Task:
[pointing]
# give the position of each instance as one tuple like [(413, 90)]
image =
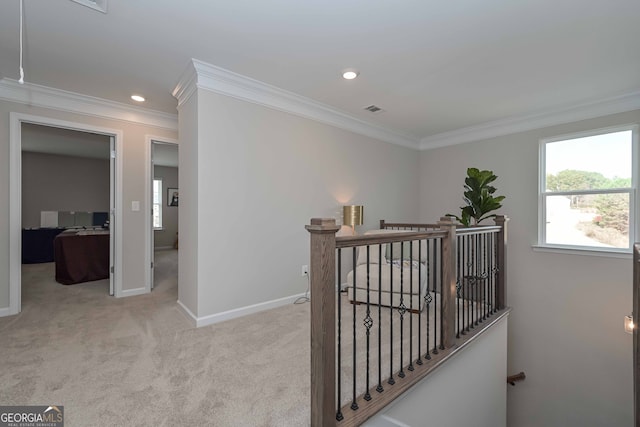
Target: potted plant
[(480, 200), (479, 197)]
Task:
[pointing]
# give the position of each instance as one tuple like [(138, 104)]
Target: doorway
[(113, 213), (162, 225)]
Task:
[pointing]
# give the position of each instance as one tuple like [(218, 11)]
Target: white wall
[(566, 328), (62, 183), (134, 166), (189, 201), (262, 174), (468, 391)]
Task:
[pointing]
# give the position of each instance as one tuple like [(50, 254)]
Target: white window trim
[(160, 203), (541, 245)]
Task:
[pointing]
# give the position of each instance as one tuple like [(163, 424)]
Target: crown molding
[(584, 111), (186, 86), (57, 99), (219, 80)]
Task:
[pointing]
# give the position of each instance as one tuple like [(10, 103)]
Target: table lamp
[(352, 215)]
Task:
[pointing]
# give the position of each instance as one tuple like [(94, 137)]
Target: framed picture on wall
[(172, 197)]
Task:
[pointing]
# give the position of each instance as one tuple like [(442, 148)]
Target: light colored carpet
[(137, 361)]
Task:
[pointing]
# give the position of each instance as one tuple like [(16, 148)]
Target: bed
[(396, 280), (81, 256)]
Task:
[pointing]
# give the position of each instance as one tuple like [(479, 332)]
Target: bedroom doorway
[(163, 195), (36, 217)]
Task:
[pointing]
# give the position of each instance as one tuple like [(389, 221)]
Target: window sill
[(618, 253), (159, 229)]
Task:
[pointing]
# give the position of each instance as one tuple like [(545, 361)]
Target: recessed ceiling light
[(137, 98), (350, 74)]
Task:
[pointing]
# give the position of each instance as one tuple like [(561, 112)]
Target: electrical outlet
[(305, 270)]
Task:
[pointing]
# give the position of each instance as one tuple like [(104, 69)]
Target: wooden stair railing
[(513, 379), (323, 312)]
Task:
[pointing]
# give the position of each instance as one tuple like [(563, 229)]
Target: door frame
[(15, 199), (149, 238)]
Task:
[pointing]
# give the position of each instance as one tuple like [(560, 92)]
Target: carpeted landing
[(137, 361)]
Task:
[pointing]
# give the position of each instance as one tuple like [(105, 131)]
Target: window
[(588, 190), (157, 204)]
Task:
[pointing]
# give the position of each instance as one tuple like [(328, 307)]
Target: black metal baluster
[(410, 305), (368, 323), (463, 240), (481, 279), (489, 269), (428, 298), (402, 310), (476, 281), (441, 299), (469, 285), (419, 361), (485, 281), (339, 415), (435, 290), (470, 281), (474, 272), (458, 286), (391, 380), (379, 389), (490, 274), (496, 268), (354, 404)]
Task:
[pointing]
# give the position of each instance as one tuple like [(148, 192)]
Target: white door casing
[(15, 200), (149, 256)]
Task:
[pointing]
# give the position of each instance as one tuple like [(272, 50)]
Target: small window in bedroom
[(157, 204), (587, 197)]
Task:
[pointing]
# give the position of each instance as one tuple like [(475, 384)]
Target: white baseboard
[(188, 313), (7, 311), (133, 292), (236, 312)]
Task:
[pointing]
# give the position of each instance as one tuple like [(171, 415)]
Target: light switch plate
[(135, 205)]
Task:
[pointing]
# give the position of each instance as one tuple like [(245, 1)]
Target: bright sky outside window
[(587, 197), (157, 204)]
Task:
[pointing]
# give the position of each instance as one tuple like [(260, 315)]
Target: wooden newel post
[(448, 281), (322, 277), (501, 254)]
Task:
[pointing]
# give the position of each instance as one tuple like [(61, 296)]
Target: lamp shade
[(352, 215)]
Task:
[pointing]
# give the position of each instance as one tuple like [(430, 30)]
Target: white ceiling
[(433, 66)]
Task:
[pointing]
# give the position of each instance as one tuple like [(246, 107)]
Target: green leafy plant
[(479, 197)]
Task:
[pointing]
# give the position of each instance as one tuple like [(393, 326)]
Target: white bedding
[(407, 286)]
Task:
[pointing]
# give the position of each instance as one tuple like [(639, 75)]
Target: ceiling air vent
[(373, 109), (99, 5)]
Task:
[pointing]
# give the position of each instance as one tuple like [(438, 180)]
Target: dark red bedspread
[(81, 258)]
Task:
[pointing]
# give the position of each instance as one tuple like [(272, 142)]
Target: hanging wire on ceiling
[(21, 81)]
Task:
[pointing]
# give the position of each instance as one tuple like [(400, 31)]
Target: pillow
[(404, 248), (386, 249), (374, 253)]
